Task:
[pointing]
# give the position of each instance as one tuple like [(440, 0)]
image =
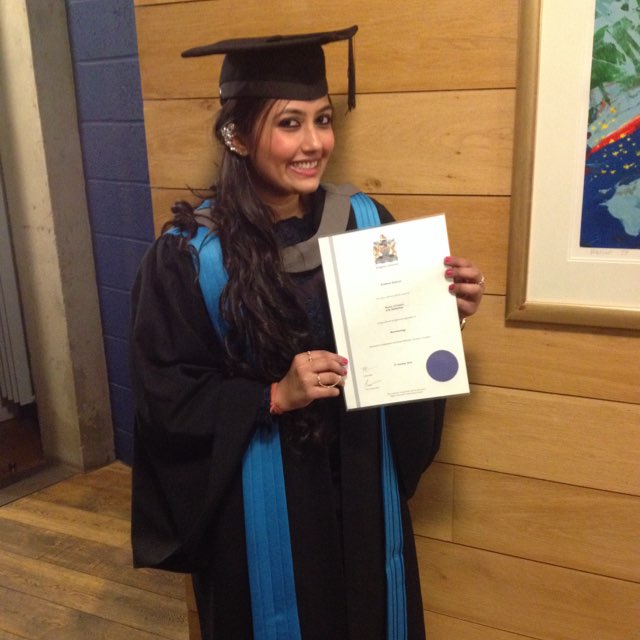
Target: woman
[(248, 471)]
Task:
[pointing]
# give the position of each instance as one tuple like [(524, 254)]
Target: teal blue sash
[(268, 541), (367, 216), (274, 606)]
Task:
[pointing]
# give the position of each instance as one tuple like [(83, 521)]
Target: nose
[(311, 140)]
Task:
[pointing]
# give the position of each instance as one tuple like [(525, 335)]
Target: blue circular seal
[(442, 365)]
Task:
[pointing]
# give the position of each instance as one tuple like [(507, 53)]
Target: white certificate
[(393, 315)]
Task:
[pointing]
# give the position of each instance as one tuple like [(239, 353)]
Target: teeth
[(306, 165)]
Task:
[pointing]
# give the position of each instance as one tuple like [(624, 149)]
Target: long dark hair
[(266, 324)]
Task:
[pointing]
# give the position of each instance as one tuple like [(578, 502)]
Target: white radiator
[(15, 377)]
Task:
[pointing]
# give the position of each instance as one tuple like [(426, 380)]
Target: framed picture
[(574, 254)]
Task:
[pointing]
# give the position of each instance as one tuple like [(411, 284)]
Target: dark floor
[(66, 569), (20, 447)]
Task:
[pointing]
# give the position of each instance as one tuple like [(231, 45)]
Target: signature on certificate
[(370, 379)]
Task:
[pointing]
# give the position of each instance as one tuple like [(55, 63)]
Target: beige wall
[(44, 183), (527, 524)]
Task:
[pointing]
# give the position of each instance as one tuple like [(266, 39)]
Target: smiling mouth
[(306, 165)]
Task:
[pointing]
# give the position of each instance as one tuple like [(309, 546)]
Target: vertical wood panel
[(444, 150), (418, 45), (521, 516), (444, 142), (477, 226), (549, 522), (441, 627), (548, 403), (488, 217), (432, 505), (192, 609), (529, 598), (577, 441), (566, 360)]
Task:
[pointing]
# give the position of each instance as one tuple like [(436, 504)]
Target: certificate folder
[(393, 315)]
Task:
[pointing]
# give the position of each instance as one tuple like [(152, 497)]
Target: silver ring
[(481, 282), (309, 355), (328, 386)]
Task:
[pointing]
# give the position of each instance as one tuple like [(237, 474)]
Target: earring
[(228, 133)]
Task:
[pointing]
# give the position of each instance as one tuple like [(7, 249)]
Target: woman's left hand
[(467, 285)]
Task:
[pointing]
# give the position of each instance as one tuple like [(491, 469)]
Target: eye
[(325, 120), (288, 123)]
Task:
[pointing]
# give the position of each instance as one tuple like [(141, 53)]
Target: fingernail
[(452, 287), (447, 260), (344, 361), (448, 273)]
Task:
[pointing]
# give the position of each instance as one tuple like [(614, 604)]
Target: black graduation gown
[(192, 428)]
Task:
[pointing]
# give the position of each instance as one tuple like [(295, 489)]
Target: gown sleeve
[(415, 428), (192, 424)]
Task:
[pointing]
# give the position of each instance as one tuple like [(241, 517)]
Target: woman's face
[(292, 147)]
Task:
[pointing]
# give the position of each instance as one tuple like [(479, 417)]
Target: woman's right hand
[(312, 375)]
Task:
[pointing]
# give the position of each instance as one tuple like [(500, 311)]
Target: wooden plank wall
[(527, 525)]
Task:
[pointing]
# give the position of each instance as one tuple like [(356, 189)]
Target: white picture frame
[(551, 279)]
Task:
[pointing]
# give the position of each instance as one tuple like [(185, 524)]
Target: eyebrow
[(291, 111)]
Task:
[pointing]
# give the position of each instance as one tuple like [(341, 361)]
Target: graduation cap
[(283, 67)]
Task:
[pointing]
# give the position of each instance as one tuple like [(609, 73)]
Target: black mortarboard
[(283, 67)]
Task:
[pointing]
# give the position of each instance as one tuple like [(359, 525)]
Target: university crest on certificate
[(393, 315)]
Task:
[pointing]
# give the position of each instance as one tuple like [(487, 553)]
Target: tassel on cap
[(351, 74)]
